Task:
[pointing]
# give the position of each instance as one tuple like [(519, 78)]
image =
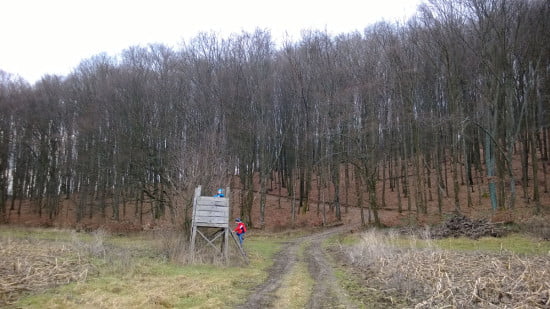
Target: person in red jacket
[(240, 230)]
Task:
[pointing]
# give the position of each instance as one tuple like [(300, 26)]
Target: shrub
[(538, 227)]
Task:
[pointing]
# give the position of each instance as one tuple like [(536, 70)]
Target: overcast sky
[(41, 37)]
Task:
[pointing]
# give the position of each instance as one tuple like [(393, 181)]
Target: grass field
[(48, 268), (121, 271)]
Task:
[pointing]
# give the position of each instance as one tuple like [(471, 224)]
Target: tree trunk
[(397, 186), (535, 167), (359, 192), (263, 180), (490, 166), (468, 171), (456, 184)]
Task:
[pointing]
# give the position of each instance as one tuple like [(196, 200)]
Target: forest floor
[(282, 211)]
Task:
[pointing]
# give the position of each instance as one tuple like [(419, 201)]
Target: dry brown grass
[(538, 226), (170, 244), (32, 265), (32, 261), (435, 278)]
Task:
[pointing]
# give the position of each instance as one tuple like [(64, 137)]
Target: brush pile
[(461, 226)]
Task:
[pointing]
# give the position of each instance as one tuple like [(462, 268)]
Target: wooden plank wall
[(211, 212)]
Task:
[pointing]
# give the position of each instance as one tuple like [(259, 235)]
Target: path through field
[(326, 291)]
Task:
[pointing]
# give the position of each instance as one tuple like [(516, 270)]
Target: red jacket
[(241, 228)]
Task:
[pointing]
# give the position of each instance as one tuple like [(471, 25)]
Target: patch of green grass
[(351, 285), (516, 243), (368, 297), (36, 233), (297, 286), (349, 239), (343, 239), (263, 246), (154, 285)]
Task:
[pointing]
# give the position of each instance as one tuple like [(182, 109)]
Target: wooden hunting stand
[(212, 212)]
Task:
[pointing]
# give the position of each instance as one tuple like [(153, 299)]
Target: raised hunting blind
[(212, 214)]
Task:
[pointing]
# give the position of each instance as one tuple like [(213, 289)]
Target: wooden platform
[(213, 212)]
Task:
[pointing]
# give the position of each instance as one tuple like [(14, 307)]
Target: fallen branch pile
[(461, 226), (33, 265)]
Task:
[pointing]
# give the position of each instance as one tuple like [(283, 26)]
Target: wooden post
[(193, 226), (238, 244), (228, 229)]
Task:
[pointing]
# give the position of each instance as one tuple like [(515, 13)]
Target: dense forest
[(452, 96)]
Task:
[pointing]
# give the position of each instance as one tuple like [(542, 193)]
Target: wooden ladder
[(236, 239)]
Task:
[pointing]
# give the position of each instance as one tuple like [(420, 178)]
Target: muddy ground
[(327, 292)]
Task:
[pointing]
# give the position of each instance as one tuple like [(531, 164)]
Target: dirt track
[(326, 291)]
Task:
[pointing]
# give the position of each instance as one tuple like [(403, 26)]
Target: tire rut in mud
[(326, 291)]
